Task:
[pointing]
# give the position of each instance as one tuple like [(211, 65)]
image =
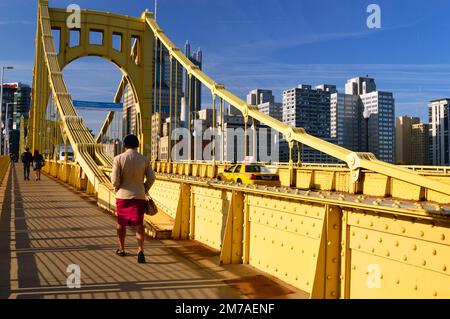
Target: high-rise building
[(22, 100), (420, 144), (363, 119), (308, 108), (16, 96), (360, 85), (161, 97), (259, 96), (265, 101), (379, 108), (439, 119), (346, 121), (193, 92), (129, 112), (411, 141)]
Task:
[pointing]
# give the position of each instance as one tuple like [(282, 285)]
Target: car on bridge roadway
[(252, 174)]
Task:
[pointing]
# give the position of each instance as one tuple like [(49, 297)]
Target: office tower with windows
[(16, 97), (265, 101), (379, 108), (411, 141), (193, 92), (346, 121), (439, 121), (360, 85), (308, 108)]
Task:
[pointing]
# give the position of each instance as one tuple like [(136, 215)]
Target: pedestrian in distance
[(132, 177), (38, 163), (27, 160)]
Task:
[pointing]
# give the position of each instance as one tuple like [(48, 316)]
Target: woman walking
[(129, 171), (38, 163)]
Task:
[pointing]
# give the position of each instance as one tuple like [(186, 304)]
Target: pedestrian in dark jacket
[(27, 159)]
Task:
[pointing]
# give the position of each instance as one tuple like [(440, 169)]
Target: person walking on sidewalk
[(26, 159), (129, 171), (38, 163)]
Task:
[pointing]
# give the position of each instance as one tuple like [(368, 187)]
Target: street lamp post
[(1, 96)]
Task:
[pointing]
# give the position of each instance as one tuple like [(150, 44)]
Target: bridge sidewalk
[(46, 226)]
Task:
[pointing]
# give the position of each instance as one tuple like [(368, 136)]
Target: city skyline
[(301, 43)]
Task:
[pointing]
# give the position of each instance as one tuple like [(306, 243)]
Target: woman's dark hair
[(131, 141), (36, 152)]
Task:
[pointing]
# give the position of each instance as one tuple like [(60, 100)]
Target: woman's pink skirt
[(130, 212)]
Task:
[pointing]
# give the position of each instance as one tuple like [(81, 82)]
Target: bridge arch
[(125, 41)]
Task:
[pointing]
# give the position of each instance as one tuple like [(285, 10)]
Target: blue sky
[(273, 44)]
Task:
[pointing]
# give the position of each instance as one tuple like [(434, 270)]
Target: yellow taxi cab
[(252, 174)]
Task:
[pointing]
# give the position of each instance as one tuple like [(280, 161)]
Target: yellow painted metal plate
[(377, 277)]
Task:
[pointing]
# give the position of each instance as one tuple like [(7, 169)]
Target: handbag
[(150, 207)]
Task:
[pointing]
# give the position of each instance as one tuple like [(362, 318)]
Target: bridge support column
[(232, 248), (181, 228), (327, 278)]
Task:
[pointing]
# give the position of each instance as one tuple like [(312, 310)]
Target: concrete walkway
[(46, 226)]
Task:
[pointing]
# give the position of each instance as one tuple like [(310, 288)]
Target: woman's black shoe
[(141, 258), (120, 253)]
